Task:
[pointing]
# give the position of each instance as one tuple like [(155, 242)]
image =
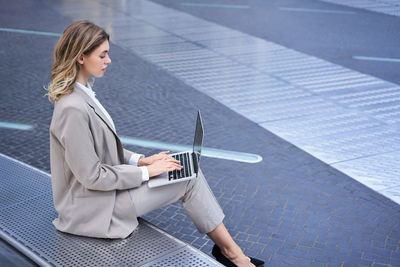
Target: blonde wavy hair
[(81, 37)]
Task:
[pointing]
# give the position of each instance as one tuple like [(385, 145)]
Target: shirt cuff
[(145, 174), (134, 159)]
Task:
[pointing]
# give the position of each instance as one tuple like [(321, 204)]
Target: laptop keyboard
[(185, 162)]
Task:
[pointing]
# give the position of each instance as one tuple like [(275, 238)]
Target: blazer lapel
[(103, 117), (99, 113), (96, 109)]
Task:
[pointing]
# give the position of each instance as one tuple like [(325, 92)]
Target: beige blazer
[(89, 171)]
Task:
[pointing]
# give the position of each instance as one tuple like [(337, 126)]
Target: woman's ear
[(80, 59)]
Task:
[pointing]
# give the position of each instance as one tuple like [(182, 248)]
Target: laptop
[(190, 160)]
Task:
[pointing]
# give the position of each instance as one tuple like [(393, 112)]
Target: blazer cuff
[(145, 174), (134, 159)]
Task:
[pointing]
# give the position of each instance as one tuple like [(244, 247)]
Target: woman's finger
[(178, 166), (171, 168), (175, 165), (172, 160)]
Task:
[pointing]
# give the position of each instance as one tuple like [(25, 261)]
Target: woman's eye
[(102, 57)]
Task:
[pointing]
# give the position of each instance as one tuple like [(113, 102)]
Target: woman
[(99, 188)]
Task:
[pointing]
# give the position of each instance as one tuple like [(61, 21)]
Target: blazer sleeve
[(81, 157), (127, 155)]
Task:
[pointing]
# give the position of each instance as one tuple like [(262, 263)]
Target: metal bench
[(26, 213)]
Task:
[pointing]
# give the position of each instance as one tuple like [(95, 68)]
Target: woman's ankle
[(237, 257), (232, 253)]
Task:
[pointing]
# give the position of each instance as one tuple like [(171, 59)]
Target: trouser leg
[(198, 201)]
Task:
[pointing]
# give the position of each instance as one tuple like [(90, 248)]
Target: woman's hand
[(164, 165), (150, 160)]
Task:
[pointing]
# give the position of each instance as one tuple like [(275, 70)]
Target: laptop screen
[(198, 138)]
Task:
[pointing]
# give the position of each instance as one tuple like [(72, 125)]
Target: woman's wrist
[(142, 162)]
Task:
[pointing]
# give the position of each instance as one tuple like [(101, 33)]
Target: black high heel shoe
[(216, 252)]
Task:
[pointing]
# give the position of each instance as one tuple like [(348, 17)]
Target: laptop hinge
[(195, 163)]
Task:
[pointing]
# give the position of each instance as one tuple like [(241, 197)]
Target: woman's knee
[(200, 179)]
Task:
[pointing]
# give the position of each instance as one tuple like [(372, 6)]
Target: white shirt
[(135, 157)]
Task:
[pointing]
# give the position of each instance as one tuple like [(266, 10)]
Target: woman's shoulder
[(68, 110), (71, 101), (72, 106)]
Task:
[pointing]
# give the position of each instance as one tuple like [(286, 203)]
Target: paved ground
[(291, 209), (314, 28), (387, 7), (345, 118)]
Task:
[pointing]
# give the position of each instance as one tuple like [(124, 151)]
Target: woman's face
[(96, 62)]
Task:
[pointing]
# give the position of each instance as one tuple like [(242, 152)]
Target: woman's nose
[(108, 59)]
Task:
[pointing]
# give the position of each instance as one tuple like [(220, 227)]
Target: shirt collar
[(87, 89)]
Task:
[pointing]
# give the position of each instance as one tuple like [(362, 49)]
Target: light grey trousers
[(198, 201)]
